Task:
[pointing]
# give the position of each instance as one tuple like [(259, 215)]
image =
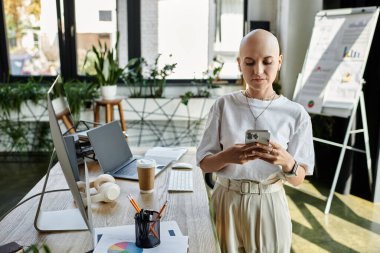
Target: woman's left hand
[(273, 153)]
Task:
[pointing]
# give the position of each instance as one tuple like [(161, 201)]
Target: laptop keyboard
[(129, 169)]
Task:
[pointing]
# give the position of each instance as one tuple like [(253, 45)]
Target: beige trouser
[(251, 217)]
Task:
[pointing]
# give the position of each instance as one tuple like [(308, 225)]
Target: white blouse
[(230, 117)]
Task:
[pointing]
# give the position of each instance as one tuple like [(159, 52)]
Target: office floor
[(353, 224), (18, 174)]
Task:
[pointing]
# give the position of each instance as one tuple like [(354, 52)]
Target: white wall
[(295, 28), (292, 22), (149, 30), (87, 16), (122, 27), (264, 10)]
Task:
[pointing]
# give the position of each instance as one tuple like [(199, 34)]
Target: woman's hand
[(273, 153), (238, 154)]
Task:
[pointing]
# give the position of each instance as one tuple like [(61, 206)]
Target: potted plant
[(211, 76), (157, 77), (79, 95), (134, 78), (102, 63), (210, 83), (16, 101), (147, 81)]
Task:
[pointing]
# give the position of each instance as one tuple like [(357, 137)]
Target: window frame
[(67, 43)]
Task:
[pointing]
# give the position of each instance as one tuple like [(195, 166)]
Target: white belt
[(244, 186)]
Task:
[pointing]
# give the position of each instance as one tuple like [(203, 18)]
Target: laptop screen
[(110, 146)]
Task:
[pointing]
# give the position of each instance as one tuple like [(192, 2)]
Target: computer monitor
[(68, 219), (64, 117), (61, 108)]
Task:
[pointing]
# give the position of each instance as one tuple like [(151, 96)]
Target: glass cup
[(146, 170)]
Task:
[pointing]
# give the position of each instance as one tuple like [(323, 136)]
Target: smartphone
[(260, 136)]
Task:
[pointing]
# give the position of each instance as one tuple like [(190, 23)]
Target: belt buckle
[(243, 188)]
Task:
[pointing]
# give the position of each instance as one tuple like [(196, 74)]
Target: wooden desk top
[(189, 210)]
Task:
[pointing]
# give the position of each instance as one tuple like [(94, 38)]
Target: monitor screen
[(66, 158), (61, 107)]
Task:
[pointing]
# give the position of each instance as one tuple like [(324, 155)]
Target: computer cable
[(29, 198)]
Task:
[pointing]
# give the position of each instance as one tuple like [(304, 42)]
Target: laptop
[(114, 155)]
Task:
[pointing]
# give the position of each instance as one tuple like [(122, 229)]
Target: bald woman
[(249, 201)]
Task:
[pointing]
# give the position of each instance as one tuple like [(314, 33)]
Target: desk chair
[(210, 179), (108, 105), (65, 116), (82, 145)]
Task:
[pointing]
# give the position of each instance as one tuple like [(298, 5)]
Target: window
[(95, 21), (229, 32), (193, 33), (32, 34), (190, 33)]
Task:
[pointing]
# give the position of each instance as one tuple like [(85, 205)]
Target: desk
[(190, 210)]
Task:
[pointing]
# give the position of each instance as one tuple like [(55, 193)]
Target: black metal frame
[(4, 63), (134, 28), (68, 60)]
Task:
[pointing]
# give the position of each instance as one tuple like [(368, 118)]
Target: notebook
[(113, 152)]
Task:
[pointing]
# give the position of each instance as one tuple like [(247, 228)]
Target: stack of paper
[(122, 239), (165, 153)]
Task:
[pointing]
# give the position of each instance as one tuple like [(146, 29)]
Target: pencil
[(138, 209), (134, 204), (162, 209), (159, 216)]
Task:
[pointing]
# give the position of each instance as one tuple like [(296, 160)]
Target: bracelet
[(293, 172)]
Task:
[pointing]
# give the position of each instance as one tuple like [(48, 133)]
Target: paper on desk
[(167, 229), (124, 243), (107, 239), (166, 153)]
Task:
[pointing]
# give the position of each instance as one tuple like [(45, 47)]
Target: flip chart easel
[(332, 75), (344, 147)]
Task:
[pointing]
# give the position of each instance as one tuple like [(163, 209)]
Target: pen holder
[(147, 229)]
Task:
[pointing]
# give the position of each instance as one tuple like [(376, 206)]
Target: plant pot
[(108, 92), (60, 105)]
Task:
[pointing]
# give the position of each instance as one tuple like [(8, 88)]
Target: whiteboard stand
[(344, 147), (336, 49)]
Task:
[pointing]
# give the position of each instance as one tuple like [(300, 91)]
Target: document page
[(165, 153), (122, 239)]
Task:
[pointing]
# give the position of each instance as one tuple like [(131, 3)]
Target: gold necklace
[(245, 92), (250, 109)]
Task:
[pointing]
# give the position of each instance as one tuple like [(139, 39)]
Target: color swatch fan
[(124, 247)]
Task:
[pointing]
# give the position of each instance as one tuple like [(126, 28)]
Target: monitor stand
[(61, 220)]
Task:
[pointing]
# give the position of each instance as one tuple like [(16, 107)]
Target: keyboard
[(129, 169), (180, 181)]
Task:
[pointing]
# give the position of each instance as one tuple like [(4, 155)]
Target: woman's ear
[(238, 62), (279, 62)]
